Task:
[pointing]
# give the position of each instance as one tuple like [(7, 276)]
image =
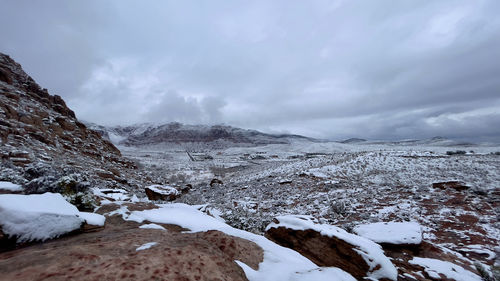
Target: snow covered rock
[(41, 216), (279, 263), (394, 233), (8, 187), (37, 217), (215, 181), (327, 245), (112, 255), (161, 192), (457, 185), (38, 129)]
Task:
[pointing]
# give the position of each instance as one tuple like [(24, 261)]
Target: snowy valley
[(190, 202)]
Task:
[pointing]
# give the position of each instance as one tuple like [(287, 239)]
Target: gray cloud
[(328, 69)]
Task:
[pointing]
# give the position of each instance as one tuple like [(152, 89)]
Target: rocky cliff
[(41, 140)]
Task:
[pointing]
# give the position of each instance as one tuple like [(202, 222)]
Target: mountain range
[(177, 133)]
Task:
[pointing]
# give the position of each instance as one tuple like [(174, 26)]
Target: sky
[(326, 69)]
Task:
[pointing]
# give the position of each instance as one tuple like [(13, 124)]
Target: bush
[(338, 208), (83, 201), (456, 152), (244, 220)]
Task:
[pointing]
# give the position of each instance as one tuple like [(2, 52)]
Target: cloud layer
[(330, 69)]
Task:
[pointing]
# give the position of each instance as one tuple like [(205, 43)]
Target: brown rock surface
[(111, 254), (322, 250), (457, 185), (401, 255), (164, 196)]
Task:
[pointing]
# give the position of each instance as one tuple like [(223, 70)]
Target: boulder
[(105, 174), (327, 245), (185, 189), (161, 192), (406, 260), (457, 185), (215, 181)]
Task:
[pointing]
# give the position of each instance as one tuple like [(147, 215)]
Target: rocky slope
[(41, 140)]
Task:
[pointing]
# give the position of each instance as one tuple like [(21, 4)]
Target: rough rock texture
[(457, 185), (402, 254), (111, 254), (322, 250), (41, 138)]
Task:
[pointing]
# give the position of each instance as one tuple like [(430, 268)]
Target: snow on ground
[(371, 252), (41, 216), (5, 185), (435, 267), (38, 216), (152, 226), (391, 232), (117, 196), (279, 263), (146, 246), (320, 273), (479, 249), (92, 218), (343, 185)]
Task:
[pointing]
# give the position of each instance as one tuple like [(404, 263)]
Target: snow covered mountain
[(177, 133), (435, 141)]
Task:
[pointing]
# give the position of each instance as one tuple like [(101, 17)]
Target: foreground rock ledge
[(111, 254)]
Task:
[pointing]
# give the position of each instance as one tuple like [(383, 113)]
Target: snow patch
[(391, 232), (5, 185), (37, 216), (146, 246), (435, 267), (152, 226), (92, 218)]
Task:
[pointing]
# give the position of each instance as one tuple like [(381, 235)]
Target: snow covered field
[(346, 185)]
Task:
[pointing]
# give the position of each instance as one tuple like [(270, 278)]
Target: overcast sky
[(328, 69)]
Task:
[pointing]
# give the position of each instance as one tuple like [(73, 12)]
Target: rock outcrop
[(326, 245), (42, 140), (457, 185), (112, 254), (161, 192)]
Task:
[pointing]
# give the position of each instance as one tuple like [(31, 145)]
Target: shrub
[(84, 201), (456, 152)]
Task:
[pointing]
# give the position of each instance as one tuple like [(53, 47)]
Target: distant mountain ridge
[(178, 133), (434, 141)]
